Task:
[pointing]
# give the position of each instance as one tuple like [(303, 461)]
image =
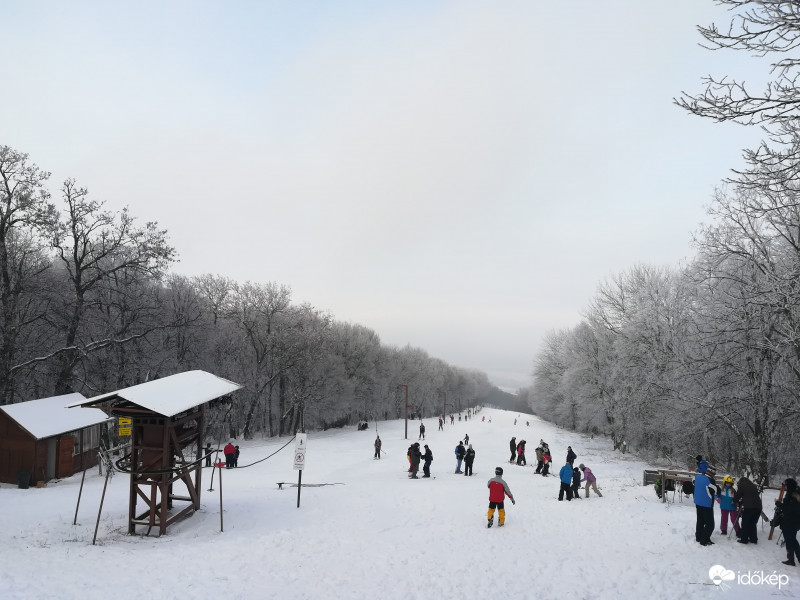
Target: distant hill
[(497, 398)]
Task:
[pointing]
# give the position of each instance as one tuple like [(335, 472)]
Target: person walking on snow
[(378, 447), (428, 458), (565, 474), (469, 458), (727, 507), (498, 490), (461, 452), (512, 445), (571, 456), (466, 439), (590, 480), (421, 431), (415, 456)]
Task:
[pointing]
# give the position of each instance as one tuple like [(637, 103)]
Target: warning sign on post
[(300, 451)]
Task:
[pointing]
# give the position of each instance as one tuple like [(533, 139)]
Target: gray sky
[(458, 176)]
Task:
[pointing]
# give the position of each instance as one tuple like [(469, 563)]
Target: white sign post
[(301, 441)]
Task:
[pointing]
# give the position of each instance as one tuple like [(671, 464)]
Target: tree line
[(704, 358), (89, 305)]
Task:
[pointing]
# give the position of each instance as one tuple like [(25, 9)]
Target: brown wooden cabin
[(42, 440)]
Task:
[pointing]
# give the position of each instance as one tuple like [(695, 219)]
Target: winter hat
[(702, 467), (581, 466), (791, 485), (470, 446), (426, 445)]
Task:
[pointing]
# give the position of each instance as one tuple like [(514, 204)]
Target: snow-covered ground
[(381, 535)]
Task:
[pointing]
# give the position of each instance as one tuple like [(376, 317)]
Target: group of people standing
[(743, 500), (415, 455)]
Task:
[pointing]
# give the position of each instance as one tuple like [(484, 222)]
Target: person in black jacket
[(428, 458), (512, 445), (747, 496), (576, 482), (790, 520), (469, 458), (415, 456), (571, 456), (461, 452)]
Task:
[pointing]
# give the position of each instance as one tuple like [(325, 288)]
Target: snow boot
[(789, 563)]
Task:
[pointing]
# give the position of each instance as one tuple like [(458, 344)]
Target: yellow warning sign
[(124, 431), (124, 421)]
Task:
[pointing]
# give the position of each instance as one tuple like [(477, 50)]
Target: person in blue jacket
[(565, 474), (704, 492)]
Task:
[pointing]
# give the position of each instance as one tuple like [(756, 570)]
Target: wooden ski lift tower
[(167, 425)]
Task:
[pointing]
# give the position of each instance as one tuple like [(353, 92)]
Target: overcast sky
[(457, 176)]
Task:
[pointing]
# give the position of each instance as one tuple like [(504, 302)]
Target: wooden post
[(80, 491), (100, 510)]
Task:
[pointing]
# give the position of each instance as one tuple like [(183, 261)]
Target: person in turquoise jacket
[(565, 474), (704, 492), (727, 507)]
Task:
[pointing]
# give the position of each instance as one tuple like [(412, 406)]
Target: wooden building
[(167, 425), (43, 439)]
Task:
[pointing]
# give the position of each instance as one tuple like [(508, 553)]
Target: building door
[(66, 447), (52, 445)]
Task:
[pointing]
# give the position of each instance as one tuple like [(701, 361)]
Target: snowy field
[(382, 536)]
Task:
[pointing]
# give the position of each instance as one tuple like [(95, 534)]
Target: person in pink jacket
[(590, 480)]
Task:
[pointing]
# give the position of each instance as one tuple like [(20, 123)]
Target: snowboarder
[(428, 458), (521, 453), (512, 445), (704, 493), (460, 453), (498, 490), (790, 520), (469, 458), (421, 431), (747, 496), (565, 474), (576, 483), (727, 507), (378, 444), (590, 479), (539, 453), (571, 456), (229, 451), (415, 456)]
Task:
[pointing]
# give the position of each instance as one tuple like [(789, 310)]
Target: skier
[(790, 520), (408, 455), (460, 453), (452, 419), (469, 458), (521, 453), (576, 483), (378, 444), (590, 479), (441, 424), (415, 456), (546, 460), (229, 451), (466, 439), (428, 458), (747, 496), (571, 456), (421, 431), (498, 490), (704, 493), (727, 507), (565, 474), (512, 445), (539, 453)]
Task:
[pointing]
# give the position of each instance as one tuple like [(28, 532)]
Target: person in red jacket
[(498, 490), (230, 453)]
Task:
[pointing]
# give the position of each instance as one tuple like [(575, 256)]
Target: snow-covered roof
[(47, 417), (171, 395)]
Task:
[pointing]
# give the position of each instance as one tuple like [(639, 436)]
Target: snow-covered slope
[(381, 535)]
